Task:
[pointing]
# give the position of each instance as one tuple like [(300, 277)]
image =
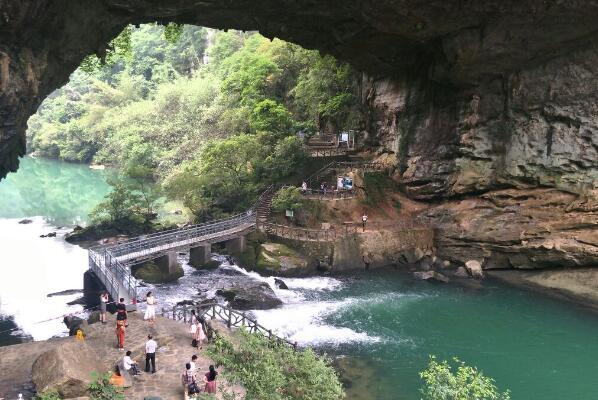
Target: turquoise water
[(62, 193), (386, 325)]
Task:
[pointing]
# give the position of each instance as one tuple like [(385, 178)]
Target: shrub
[(48, 395), (101, 389), (289, 198), (274, 371), (466, 383)]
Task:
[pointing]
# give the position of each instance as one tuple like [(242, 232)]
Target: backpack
[(194, 343)]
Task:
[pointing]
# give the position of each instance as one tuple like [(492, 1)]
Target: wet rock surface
[(249, 295)]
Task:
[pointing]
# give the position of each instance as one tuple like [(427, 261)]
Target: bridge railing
[(232, 318), (112, 273), (165, 239)]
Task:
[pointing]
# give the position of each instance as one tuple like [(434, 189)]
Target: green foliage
[(288, 198), (274, 371), (48, 395), (132, 202), (118, 49), (214, 135), (173, 32), (270, 116), (101, 389), (442, 382), (376, 187)]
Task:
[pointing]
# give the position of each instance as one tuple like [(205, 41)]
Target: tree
[(148, 194), (466, 383), (289, 198), (270, 116), (119, 206)]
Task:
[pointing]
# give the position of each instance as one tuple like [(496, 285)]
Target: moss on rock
[(150, 272), (279, 259)]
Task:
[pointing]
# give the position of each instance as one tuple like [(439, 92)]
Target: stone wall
[(382, 248)]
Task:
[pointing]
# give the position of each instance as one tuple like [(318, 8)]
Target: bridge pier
[(167, 263), (200, 256), (236, 245)]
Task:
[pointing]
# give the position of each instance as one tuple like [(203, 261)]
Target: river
[(380, 325)]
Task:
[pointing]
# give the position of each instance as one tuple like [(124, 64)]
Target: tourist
[(364, 219), (210, 380), (117, 379), (150, 309), (120, 334), (150, 354), (121, 311), (189, 382), (304, 187), (103, 303), (130, 365), (194, 364), (193, 325)]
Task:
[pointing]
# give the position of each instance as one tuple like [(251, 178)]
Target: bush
[(49, 395), (289, 198), (466, 383), (274, 371), (101, 389)]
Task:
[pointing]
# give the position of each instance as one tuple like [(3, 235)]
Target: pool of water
[(62, 193)]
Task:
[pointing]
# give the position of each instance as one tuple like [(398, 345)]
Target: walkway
[(174, 351)]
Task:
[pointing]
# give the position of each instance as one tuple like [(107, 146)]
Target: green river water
[(382, 324)]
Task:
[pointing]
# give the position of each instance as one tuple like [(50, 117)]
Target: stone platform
[(173, 352)]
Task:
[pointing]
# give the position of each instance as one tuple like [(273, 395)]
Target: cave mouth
[(44, 41)]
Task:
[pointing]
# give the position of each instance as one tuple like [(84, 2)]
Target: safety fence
[(232, 318)]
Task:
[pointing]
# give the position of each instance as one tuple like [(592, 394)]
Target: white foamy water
[(303, 320), (30, 268)]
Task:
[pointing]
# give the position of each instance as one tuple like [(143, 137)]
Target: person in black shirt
[(121, 311)]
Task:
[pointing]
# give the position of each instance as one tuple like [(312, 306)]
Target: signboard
[(289, 213)]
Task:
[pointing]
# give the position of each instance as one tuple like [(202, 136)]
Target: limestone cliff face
[(510, 166)]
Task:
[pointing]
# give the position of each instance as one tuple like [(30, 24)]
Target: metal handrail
[(231, 317)]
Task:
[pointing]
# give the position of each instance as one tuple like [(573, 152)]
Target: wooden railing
[(232, 318), (330, 194)]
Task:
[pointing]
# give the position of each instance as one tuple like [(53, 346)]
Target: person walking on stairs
[(150, 354)]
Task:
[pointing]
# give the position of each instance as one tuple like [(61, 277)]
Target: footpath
[(173, 352)]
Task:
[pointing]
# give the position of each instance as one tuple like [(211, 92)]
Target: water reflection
[(62, 193)]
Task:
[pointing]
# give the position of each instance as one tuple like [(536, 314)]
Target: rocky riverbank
[(579, 286)]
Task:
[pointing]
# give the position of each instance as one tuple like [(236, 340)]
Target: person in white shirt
[(150, 354), (129, 364), (364, 219), (150, 310), (193, 364)]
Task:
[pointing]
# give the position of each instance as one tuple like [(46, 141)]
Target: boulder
[(278, 259), (25, 221), (67, 369), (461, 273), (74, 323), (249, 295), (93, 317), (431, 276), (474, 268), (280, 284)]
